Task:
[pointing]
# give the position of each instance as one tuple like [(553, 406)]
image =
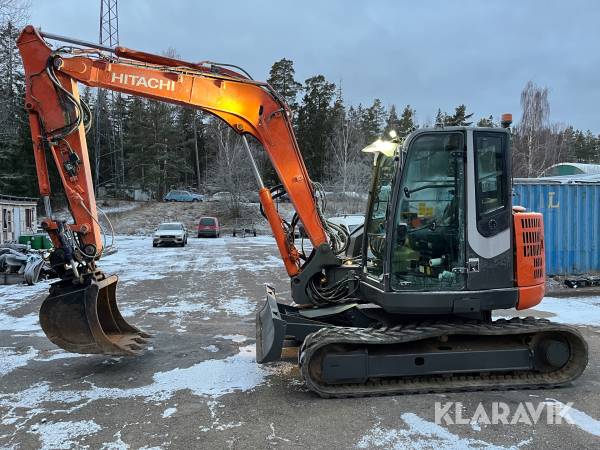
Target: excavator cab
[(439, 224)]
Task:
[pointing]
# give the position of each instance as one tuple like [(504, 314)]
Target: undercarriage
[(367, 357)]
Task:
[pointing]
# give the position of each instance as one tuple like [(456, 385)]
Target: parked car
[(222, 196), (183, 196), (173, 233), (349, 221), (209, 227)]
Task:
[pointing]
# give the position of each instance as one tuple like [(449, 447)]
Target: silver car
[(172, 233)]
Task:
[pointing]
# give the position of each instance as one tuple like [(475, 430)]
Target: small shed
[(19, 216), (570, 205)]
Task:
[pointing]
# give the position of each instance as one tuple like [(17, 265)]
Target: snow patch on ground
[(117, 444), (60, 354), (211, 348), (239, 306), (11, 296), (179, 308), (168, 412), (579, 418), (64, 435), (10, 360), (29, 322), (579, 310), (211, 378), (238, 338), (422, 434)]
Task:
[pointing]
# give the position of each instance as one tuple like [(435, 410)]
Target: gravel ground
[(199, 387)]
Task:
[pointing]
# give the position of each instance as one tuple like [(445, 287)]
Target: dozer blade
[(84, 318), (270, 331)]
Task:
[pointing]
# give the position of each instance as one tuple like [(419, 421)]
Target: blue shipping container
[(571, 223)]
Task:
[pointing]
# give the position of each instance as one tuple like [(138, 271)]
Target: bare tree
[(532, 128), (230, 170), (348, 167)]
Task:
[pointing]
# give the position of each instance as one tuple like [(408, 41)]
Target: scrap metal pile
[(19, 264)]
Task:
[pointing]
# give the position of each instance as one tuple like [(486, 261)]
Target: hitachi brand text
[(138, 80)]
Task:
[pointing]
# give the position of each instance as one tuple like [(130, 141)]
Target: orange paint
[(530, 261)]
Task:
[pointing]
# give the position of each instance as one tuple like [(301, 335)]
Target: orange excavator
[(403, 304)]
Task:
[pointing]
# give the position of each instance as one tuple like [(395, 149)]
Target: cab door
[(427, 252), (489, 210)]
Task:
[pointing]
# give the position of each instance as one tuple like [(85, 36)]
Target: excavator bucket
[(84, 318)]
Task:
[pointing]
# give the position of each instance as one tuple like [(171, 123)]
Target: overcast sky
[(428, 54)]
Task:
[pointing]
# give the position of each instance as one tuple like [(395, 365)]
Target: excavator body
[(441, 248), (402, 304)]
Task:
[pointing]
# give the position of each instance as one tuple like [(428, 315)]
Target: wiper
[(407, 191)]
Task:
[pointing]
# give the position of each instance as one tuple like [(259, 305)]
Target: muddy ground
[(199, 387)]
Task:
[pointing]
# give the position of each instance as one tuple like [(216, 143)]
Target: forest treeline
[(140, 143)]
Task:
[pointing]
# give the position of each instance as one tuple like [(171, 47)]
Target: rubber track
[(485, 381)]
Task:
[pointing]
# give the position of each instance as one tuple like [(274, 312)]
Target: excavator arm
[(81, 313)]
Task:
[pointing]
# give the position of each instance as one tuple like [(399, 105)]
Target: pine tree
[(440, 118), (373, 121), (392, 122), (407, 122), (459, 118), (17, 168), (281, 78), (315, 123), (486, 122)]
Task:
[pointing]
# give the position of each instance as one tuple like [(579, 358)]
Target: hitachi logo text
[(138, 80)]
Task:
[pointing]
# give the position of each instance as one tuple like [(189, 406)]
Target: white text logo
[(138, 80)]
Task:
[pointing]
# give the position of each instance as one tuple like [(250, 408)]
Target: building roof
[(12, 199), (561, 169), (561, 179)]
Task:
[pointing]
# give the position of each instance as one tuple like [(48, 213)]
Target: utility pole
[(108, 36)]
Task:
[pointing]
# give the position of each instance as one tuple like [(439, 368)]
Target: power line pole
[(108, 36)]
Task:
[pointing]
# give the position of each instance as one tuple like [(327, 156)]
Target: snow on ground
[(137, 262), (63, 435), (211, 378), (10, 360), (578, 310), (421, 434), (567, 310)]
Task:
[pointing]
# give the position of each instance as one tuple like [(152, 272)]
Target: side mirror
[(401, 233)]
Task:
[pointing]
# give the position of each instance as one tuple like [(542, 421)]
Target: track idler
[(84, 318)]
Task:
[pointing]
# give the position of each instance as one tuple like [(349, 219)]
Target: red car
[(209, 227)]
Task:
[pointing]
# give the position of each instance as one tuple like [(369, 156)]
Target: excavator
[(401, 305)]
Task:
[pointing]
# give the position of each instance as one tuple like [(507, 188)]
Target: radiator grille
[(529, 246)]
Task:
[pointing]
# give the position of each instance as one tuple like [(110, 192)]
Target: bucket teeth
[(134, 346)]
